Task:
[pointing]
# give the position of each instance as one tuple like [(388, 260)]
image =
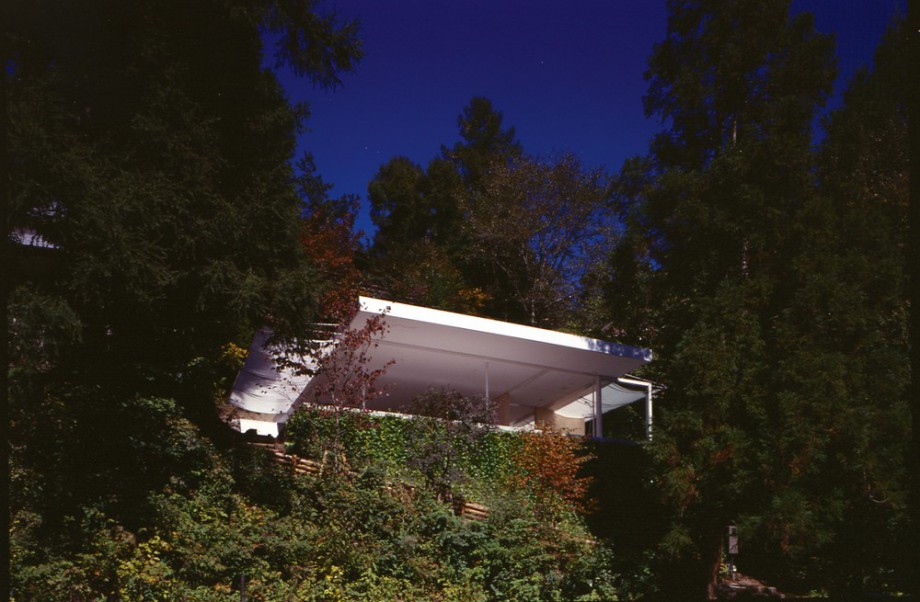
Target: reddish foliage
[(548, 465), (331, 244), (344, 379)]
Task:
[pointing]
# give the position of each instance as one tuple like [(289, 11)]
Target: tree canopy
[(151, 148), (742, 268), (533, 228), (487, 228), (149, 151)]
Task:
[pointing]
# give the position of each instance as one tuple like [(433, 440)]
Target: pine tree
[(775, 300), (152, 149), (850, 308), (484, 142), (715, 218)]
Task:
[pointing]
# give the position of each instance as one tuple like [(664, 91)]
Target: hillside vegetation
[(182, 518)]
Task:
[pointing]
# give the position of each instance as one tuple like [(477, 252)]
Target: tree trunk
[(713, 563)]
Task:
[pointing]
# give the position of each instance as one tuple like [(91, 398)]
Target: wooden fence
[(305, 466)]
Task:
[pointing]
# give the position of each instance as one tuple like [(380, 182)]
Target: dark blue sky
[(567, 75)]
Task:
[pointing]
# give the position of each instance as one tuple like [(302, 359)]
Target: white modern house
[(531, 374)]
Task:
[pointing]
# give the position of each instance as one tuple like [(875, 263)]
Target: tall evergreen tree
[(725, 251), (409, 203), (399, 209), (417, 219), (484, 142), (851, 307), (149, 155), (151, 148), (774, 299)]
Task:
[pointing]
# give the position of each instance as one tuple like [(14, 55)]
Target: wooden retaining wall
[(305, 466)]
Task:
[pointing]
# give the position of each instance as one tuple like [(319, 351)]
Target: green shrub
[(468, 459)]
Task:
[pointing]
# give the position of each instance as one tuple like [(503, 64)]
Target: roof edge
[(441, 317)]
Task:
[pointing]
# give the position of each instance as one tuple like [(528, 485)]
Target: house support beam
[(648, 413), (598, 409)]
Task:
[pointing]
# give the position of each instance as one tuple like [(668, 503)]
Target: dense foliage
[(486, 228), (770, 278), (203, 518), (149, 152), (185, 520), (152, 149), (451, 448)]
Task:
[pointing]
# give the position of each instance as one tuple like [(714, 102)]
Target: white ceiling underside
[(613, 396), (476, 356)]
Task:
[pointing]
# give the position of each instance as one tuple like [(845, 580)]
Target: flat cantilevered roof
[(526, 366)]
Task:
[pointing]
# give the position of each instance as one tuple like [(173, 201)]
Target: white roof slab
[(534, 367), (526, 366), (260, 386)]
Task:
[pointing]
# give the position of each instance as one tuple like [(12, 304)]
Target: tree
[(398, 208), (412, 257), (409, 203), (773, 299), (151, 150), (853, 302), (343, 379), (486, 229), (484, 141), (448, 425), (330, 242), (423, 274), (533, 227), (714, 215), (420, 252), (549, 465)]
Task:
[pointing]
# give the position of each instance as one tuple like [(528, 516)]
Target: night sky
[(567, 75)]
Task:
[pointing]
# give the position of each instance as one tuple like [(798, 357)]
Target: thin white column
[(598, 409), (648, 413)]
